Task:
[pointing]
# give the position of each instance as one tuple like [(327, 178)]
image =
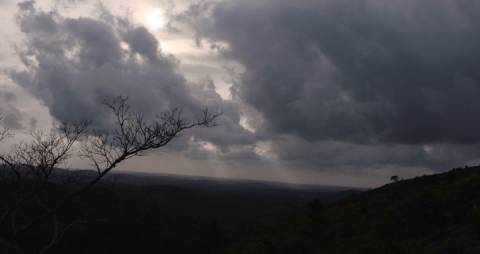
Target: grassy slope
[(431, 214)]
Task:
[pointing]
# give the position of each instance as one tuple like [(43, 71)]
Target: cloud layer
[(356, 84), (73, 64), (348, 86), (364, 71)]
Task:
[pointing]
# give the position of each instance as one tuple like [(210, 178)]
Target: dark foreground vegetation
[(431, 214)]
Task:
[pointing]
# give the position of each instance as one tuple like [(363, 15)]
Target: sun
[(155, 20)]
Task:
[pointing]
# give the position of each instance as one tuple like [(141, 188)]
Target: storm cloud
[(73, 64), (365, 72), (362, 88)]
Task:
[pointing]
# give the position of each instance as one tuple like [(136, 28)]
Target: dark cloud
[(332, 155), (142, 42), (10, 115), (73, 64), (353, 84), (333, 85), (358, 71)]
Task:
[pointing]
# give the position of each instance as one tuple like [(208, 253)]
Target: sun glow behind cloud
[(155, 20)]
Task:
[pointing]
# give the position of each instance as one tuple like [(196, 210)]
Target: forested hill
[(138, 213), (431, 214)]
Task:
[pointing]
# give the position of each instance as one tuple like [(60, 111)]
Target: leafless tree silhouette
[(28, 169)]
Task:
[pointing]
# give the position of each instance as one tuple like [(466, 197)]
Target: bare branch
[(134, 135), (32, 163), (4, 131), (55, 235), (35, 161)]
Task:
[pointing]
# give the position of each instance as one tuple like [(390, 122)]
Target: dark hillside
[(166, 214), (430, 214)]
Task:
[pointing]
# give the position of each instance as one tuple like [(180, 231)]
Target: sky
[(344, 92)]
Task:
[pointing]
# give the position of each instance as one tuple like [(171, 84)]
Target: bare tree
[(27, 171)]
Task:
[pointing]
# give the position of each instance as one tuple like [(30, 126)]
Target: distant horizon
[(236, 179)]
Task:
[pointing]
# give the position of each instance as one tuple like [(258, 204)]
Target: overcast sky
[(337, 92)]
